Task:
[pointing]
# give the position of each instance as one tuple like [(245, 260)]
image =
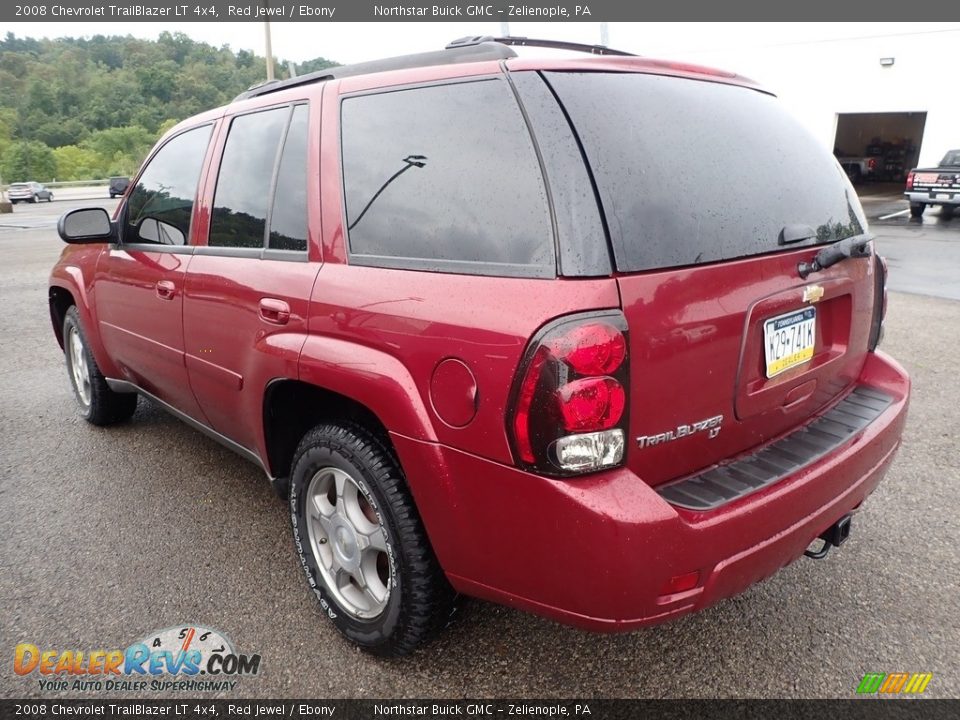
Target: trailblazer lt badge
[(711, 426)]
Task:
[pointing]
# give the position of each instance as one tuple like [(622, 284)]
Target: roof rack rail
[(473, 48), (468, 52), (518, 41)]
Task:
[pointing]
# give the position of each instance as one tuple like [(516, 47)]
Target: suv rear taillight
[(910, 180), (570, 397), (879, 301), (872, 164)]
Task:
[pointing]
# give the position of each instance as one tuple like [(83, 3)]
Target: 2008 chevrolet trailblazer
[(595, 337)]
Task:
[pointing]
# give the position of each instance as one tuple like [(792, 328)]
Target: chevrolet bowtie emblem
[(812, 293)]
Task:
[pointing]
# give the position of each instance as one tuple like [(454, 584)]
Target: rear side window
[(692, 172), (288, 221), (243, 184), (161, 205), (445, 178), (262, 182)]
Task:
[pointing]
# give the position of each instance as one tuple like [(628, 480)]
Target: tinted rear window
[(692, 172)]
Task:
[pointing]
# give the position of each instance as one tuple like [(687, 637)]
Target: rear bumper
[(934, 197), (598, 552)]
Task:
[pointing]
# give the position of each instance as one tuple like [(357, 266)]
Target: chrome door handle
[(276, 312)]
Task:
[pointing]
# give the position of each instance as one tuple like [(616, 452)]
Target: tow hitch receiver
[(833, 536)]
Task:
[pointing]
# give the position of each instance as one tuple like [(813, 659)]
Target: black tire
[(419, 599), (853, 172), (33, 199), (917, 208), (101, 406), (50, 197), (947, 211)]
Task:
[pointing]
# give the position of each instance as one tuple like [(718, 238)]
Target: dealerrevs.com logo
[(190, 658)]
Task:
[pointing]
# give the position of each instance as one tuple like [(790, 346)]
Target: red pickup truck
[(493, 327)]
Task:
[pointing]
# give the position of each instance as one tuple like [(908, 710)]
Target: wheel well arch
[(292, 407), (61, 300)]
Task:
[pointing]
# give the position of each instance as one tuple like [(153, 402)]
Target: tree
[(76, 163), (30, 160)]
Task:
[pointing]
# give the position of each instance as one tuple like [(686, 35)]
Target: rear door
[(248, 289), (713, 195)]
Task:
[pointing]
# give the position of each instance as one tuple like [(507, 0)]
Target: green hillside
[(76, 109)]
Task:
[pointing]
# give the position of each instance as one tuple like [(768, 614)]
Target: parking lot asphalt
[(109, 534)]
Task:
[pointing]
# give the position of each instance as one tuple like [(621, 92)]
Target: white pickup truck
[(860, 168)]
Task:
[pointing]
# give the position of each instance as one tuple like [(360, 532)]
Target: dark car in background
[(118, 186), (28, 192)]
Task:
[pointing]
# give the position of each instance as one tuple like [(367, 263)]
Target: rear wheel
[(33, 199), (947, 210), (361, 542), (917, 208), (99, 404)]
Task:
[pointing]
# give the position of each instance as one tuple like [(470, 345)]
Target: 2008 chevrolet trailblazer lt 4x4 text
[(495, 328)]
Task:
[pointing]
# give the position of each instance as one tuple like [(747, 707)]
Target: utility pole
[(504, 29), (604, 34), (266, 29), (269, 48)]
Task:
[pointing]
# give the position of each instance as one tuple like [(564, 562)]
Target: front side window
[(445, 178), (161, 205)]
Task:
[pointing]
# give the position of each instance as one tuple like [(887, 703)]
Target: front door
[(140, 283)]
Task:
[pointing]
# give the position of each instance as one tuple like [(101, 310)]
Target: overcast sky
[(355, 42)]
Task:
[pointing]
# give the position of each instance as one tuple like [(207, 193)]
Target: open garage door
[(879, 147)]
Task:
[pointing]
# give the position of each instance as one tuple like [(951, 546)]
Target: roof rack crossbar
[(519, 41)]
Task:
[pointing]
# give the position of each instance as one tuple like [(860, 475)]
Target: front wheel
[(99, 404), (361, 543), (917, 208)]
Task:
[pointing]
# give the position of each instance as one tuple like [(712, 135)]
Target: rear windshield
[(692, 172), (951, 158)]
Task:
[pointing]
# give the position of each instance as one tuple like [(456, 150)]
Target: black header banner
[(101, 11)]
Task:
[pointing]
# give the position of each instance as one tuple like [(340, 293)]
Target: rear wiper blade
[(856, 246)]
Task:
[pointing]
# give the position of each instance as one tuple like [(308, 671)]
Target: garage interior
[(894, 139)]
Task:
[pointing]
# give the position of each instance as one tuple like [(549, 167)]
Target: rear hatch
[(712, 195)]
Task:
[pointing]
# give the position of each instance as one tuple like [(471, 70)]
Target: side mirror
[(85, 225)]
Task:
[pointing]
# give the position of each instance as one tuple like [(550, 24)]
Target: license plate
[(788, 340)]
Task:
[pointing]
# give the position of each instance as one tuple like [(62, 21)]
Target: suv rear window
[(445, 177), (693, 172)]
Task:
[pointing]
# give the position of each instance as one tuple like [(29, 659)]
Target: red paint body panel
[(623, 539), (421, 318)]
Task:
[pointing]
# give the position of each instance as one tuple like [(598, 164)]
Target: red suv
[(595, 338)]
